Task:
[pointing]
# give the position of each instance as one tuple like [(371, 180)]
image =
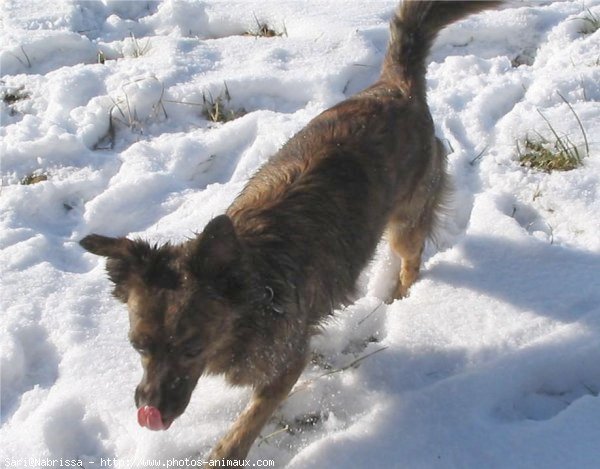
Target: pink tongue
[(150, 417)]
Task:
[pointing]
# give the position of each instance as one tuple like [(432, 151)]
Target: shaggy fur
[(243, 298)]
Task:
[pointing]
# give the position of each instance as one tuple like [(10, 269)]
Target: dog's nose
[(146, 395)]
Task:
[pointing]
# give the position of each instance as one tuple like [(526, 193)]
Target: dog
[(243, 297)]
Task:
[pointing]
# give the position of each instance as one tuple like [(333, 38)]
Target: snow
[(493, 359)]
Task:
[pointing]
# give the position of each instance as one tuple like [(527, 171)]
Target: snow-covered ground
[(494, 359)]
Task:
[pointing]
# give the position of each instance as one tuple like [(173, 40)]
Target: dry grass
[(591, 22), (123, 113), (11, 96), (330, 370), (33, 178), (263, 29), (308, 421), (557, 154), (299, 424), (217, 109), (139, 49), (547, 156)]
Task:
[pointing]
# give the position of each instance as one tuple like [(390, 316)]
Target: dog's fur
[(243, 298)]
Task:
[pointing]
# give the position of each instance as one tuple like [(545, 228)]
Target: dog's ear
[(125, 258), (114, 248), (217, 249)]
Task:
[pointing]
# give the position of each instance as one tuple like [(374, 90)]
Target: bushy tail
[(413, 29)]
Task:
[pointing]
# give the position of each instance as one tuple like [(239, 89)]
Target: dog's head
[(182, 303)]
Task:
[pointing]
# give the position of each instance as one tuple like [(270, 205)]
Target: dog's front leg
[(236, 444)]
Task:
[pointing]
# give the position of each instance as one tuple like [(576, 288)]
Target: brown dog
[(244, 296)]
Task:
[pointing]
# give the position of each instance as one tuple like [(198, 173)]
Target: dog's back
[(371, 161)]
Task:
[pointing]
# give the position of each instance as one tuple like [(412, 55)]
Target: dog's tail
[(413, 29)]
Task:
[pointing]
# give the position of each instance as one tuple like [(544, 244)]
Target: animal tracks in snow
[(29, 359), (546, 402), (70, 432)]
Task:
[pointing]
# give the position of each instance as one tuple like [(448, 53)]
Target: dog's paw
[(225, 451), (399, 293)]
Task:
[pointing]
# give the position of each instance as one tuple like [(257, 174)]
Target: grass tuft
[(139, 49), (558, 154), (299, 424), (33, 178), (11, 96), (262, 29), (122, 112), (591, 22), (547, 156), (26, 64), (217, 109)]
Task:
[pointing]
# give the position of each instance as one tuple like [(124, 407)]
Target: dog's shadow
[(554, 281), (557, 282)]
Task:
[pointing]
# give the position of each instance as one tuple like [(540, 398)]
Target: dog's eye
[(192, 352), (144, 352)]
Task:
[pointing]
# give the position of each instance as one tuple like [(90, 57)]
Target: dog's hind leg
[(265, 400), (407, 243), (414, 221)]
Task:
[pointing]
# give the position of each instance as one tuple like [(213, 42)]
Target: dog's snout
[(146, 394), (164, 393), (178, 382), (174, 384)]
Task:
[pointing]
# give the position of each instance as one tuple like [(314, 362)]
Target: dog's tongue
[(150, 417)]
